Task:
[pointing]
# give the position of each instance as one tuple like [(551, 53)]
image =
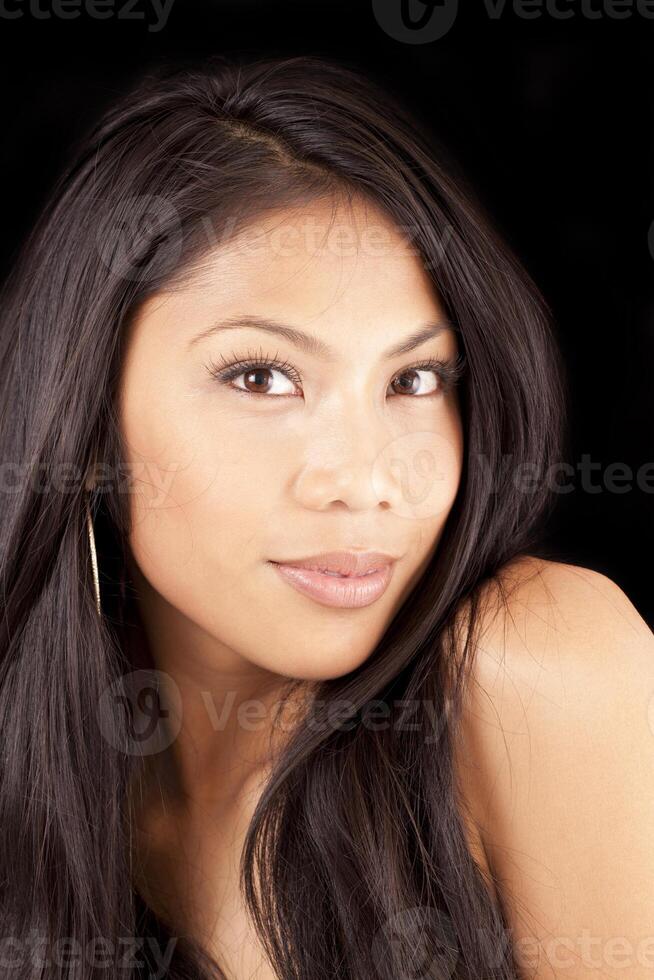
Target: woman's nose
[(351, 485), (342, 464), (361, 465)]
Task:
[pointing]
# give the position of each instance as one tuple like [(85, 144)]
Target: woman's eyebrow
[(313, 345)]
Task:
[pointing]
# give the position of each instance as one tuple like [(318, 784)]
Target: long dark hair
[(356, 862)]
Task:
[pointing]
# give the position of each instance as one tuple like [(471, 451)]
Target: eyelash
[(449, 372)]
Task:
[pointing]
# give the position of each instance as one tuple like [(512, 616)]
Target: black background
[(551, 120)]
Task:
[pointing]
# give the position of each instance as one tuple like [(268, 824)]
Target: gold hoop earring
[(94, 558)]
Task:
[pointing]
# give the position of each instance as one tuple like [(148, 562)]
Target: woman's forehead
[(308, 265)]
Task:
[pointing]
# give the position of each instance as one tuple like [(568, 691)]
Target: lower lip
[(352, 592)]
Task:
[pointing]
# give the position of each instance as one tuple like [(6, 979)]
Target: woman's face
[(342, 446)]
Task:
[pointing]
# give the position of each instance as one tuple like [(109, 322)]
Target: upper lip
[(345, 562)]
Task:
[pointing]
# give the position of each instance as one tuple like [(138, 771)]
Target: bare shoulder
[(547, 595), (556, 763)]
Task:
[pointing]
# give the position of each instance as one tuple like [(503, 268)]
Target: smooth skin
[(556, 766), (336, 454)]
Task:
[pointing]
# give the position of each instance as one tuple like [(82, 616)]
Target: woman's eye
[(257, 382), (415, 382), (280, 379), (410, 383)]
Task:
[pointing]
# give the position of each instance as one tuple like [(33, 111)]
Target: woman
[(280, 419)]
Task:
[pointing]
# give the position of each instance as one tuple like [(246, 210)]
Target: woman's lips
[(345, 592)]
